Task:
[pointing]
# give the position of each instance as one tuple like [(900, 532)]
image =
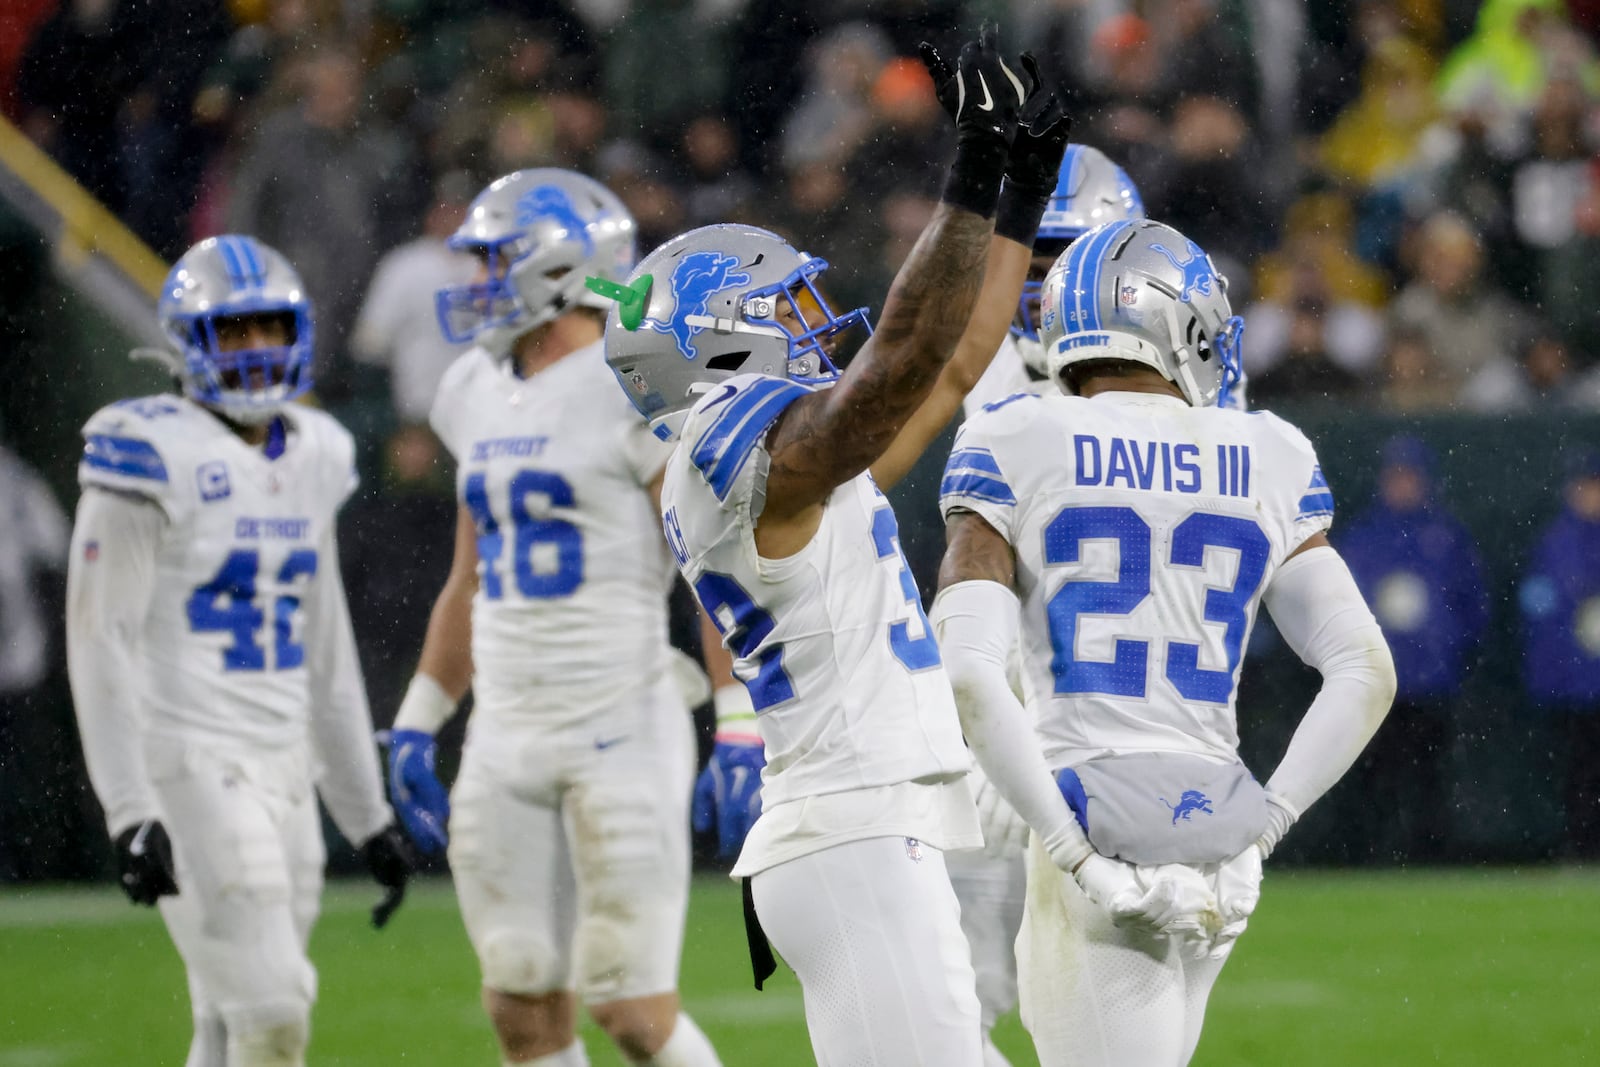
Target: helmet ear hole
[(728, 361)]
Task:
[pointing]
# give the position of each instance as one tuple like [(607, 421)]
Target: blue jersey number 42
[(227, 604)]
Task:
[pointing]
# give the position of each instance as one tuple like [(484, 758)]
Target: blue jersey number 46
[(527, 533)]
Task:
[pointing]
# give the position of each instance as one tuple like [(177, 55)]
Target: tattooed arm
[(1005, 271), (829, 437)]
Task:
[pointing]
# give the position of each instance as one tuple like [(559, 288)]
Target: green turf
[(1460, 968)]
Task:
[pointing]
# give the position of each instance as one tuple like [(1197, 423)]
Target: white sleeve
[(349, 779), (645, 454), (1319, 611), (110, 581), (373, 338), (976, 623)]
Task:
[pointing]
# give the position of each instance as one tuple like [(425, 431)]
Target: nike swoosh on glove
[(1238, 890), (727, 795), (419, 797)]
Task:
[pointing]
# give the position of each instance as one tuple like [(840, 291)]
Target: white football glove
[(1004, 832), (1183, 906), (1238, 889), (1173, 901)]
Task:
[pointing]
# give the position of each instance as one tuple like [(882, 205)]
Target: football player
[(991, 883), (568, 826), (1137, 526), (213, 667), (722, 339)]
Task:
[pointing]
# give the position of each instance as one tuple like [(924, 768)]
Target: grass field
[(1494, 967)]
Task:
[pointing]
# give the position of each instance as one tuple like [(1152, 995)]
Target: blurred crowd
[(1403, 193)]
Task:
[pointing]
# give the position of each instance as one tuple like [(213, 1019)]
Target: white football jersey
[(224, 644), (570, 612), (1145, 532), (831, 642), (1006, 375)]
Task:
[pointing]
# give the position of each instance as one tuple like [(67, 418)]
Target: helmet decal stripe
[(232, 262), (252, 261), (1097, 259), (1067, 180)]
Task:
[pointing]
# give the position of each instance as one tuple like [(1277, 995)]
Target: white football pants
[(247, 840), (992, 890), (1094, 995), (570, 849), (873, 931)]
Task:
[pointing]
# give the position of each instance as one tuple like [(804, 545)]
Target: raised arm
[(827, 438), (1032, 171), (1005, 271)]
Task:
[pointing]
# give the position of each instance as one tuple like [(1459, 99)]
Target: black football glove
[(1034, 164), (390, 861), (144, 863), (980, 92)]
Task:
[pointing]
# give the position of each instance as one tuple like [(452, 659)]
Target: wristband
[(1018, 213), (426, 706), (975, 176), (736, 715), (1280, 816)]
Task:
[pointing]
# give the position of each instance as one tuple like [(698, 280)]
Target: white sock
[(687, 1047), (571, 1056)]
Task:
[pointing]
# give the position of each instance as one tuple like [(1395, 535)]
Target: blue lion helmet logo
[(552, 202), (697, 277), (1199, 276), (1190, 802)]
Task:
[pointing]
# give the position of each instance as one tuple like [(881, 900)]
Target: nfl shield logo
[(1128, 294), (913, 850)]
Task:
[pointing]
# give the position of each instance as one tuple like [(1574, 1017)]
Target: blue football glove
[(419, 798), (728, 794)]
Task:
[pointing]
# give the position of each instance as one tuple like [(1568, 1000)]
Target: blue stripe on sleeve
[(978, 459), (1317, 479), (1315, 504), (127, 456), (976, 487), (721, 452)]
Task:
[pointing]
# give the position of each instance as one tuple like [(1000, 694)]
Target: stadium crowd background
[(1404, 194)]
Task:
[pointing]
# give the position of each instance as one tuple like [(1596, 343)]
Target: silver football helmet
[(715, 302), (1142, 292), (1090, 190), (540, 232), (233, 277)]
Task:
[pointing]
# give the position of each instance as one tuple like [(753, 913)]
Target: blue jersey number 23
[(1125, 674)]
